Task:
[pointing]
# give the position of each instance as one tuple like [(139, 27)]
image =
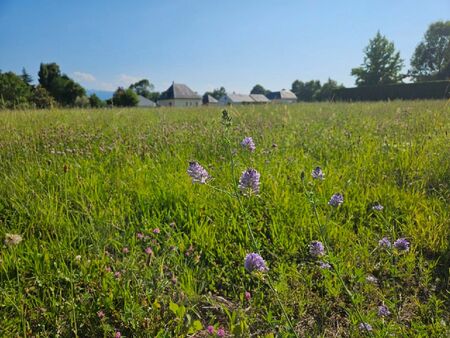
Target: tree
[(95, 101), (382, 63), (258, 89), (41, 98), (82, 102), (431, 59), (60, 86), (26, 77), (306, 91), (143, 88), (14, 92), (125, 98), (217, 93), (328, 90)]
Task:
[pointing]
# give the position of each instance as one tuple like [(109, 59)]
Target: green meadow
[(117, 238)]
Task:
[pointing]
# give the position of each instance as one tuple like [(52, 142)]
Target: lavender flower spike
[(336, 200), (248, 143), (197, 173), (249, 181), (316, 249), (383, 311), (253, 262), (365, 327), (317, 173), (401, 244), (384, 242)]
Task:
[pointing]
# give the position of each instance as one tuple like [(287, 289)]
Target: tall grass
[(80, 185)]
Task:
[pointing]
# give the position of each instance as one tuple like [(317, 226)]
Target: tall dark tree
[(431, 59), (382, 63), (48, 72), (26, 77), (258, 89), (60, 86)]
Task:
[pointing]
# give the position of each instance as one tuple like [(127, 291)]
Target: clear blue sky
[(206, 44)]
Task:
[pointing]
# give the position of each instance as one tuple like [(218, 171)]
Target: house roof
[(144, 102), (282, 94), (209, 99), (240, 98), (259, 98), (179, 91)]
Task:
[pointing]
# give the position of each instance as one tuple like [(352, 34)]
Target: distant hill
[(102, 94)]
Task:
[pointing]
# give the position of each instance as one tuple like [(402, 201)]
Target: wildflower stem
[(244, 213), (327, 247)]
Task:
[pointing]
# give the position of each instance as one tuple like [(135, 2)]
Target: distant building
[(235, 99), (283, 96), (144, 102), (259, 98), (208, 100), (179, 95)]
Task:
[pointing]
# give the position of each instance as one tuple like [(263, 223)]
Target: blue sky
[(206, 44)]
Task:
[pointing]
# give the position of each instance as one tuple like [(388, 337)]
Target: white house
[(283, 96), (179, 95)]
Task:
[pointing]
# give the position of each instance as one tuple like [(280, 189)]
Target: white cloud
[(125, 80), (84, 77)]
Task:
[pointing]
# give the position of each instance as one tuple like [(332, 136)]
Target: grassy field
[(117, 238)]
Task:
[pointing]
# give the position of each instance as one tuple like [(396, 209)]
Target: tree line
[(382, 64)]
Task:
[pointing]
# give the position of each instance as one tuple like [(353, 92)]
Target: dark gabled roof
[(259, 98), (282, 94), (209, 99), (179, 91), (144, 102)]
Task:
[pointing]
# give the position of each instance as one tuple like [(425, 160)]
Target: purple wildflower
[(253, 261), (324, 265), (383, 311), (317, 173), (401, 244), (117, 274), (197, 173), (140, 235), (117, 334), (365, 327), (149, 251), (377, 207), (384, 242), (108, 269), (336, 200), (248, 143), (125, 250), (221, 332), (156, 231), (100, 314), (316, 249), (210, 329), (248, 296), (249, 181)]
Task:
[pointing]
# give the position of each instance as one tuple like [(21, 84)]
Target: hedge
[(403, 91)]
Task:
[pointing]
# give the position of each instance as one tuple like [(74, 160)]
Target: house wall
[(284, 101), (181, 103)]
